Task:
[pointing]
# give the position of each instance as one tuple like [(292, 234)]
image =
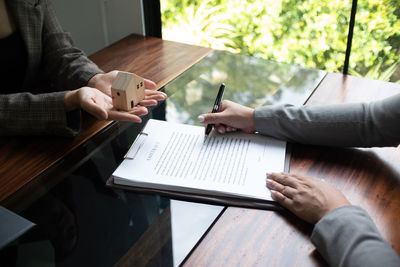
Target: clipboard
[(236, 201), (200, 198)]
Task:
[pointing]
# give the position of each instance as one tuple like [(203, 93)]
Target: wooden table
[(368, 177)]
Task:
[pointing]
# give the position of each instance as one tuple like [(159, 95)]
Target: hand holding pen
[(229, 117)]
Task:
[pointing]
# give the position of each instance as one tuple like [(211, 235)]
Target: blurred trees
[(308, 33)]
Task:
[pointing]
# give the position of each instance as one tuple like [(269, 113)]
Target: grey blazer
[(51, 54), (346, 236), (346, 125)]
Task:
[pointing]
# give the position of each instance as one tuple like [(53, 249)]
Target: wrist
[(92, 82), (71, 100), (250, 119)]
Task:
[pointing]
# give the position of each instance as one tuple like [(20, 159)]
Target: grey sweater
[(345, 236)]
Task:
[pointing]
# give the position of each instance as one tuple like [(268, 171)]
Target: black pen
[(216, 105)]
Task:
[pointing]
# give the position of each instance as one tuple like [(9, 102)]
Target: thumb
[(211, 118)]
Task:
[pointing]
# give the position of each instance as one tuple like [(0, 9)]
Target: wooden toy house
[(127, 90)]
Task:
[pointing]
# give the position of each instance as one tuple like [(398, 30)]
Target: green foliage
[(376, 73), (308, 33)]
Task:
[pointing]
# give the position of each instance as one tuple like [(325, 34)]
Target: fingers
[(307, 197), (282, 199), (157, 95), (285, 190), (132, 115), (139, 111), (152, 97), (211, 118), (148, 84), (221, 128), (284, 179), (230, 115), (148, 102), (214, 118), (123, 116), (283, 194)]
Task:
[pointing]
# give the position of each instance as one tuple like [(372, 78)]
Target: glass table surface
[(249, 81), (80, 222)]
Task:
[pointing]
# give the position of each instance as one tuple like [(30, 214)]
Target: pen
[(216, 105)]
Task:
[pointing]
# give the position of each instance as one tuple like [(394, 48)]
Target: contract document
[(180, 158)]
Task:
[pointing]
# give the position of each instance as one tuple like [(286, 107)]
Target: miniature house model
[(127, 90)]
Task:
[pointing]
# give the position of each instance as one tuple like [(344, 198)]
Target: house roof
[(125, 79)]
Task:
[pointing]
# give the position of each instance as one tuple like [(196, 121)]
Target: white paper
[(179, 157)]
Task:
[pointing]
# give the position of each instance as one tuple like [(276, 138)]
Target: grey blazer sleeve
[(347, 236), (350, 125), (68, 66), (43, 114), (50, 53)]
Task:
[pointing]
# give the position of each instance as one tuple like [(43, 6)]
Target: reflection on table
[(249, 81), (82, 223)]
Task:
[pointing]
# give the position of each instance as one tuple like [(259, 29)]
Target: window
[(376, 40), (308, 33)]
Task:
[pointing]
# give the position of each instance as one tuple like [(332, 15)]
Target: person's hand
[(230, 117), (100, 105), (307, 197), (151, 97), (103, 82)]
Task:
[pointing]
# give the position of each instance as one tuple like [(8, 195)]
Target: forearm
[(43, 114), (67, 64), (347, 237), (364, 125)]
